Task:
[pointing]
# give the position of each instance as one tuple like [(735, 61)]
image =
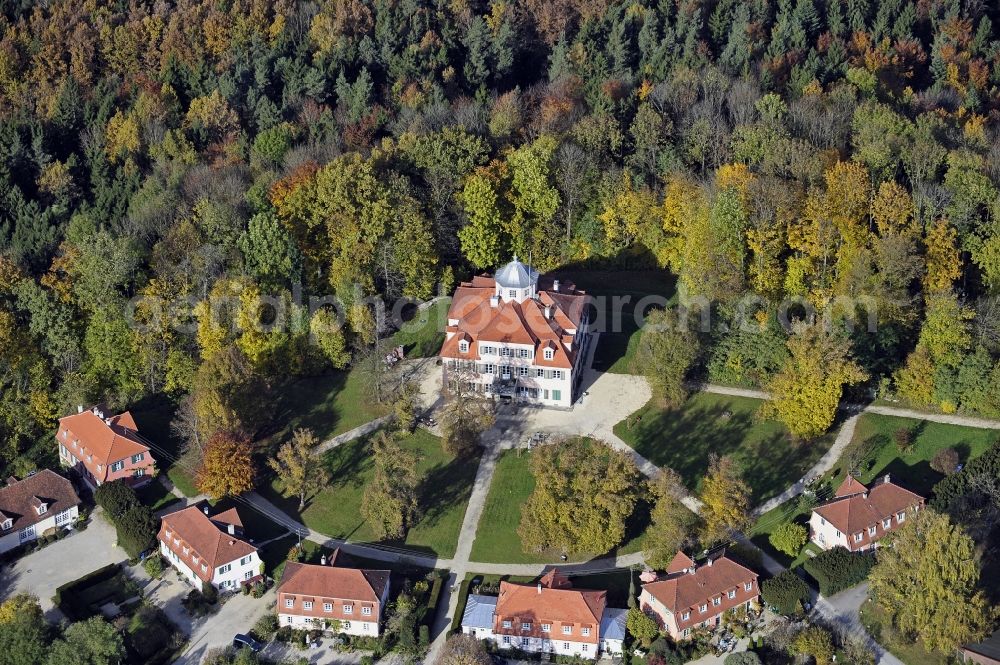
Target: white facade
[(548, 385), (547, 645), (825, 534), (350, 627), (226, 576), (63, 518)]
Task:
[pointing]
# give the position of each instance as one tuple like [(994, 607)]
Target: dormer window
[(463, 346), (549, 354)]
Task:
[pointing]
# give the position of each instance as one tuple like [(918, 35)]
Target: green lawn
[(879, 454), (336, 511), (616, 319), (423, 335), (155, 495), (153, 416), (794, 510), (496, 538), (328, 405), (683, 439)]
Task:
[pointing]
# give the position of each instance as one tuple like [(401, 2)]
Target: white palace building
[(517, 336)]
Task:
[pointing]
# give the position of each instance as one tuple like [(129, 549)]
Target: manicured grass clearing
[(496, 538), (790, 511), (874, 618), (684, 438), (156, 496), (423, 335), (912, 468), (616, 322), (336, 511), (328, 405)]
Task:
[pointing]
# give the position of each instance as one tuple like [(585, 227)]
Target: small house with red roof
[(517, 335), (103, 447), (333, 596), (692, 596), (858, 516), (550, 617), (209, 549), (35, 506)]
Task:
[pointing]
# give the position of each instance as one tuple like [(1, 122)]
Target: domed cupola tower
[(516, 282)]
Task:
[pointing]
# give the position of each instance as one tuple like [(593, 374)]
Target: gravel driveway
[(79, 553)]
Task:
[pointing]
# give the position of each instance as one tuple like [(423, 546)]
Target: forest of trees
[(162, 157)]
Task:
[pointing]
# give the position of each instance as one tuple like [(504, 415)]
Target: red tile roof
[(687, 591), (853, 512), (101, 441), (478, 320), (208, 545), (20, 501), (359, 585), (552, 601)]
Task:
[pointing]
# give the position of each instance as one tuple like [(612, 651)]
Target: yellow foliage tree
[(227, 468), (944, 264), (806, 392), (726, 500)]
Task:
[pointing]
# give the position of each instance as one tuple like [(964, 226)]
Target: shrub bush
[(837, 569), (266, 627), (115, 497), (945, 461), (154, 566), (743, 658), (786, 592), (789, 538)]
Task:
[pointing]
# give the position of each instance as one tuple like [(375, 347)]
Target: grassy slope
[(422, 336), (619, 341), (336, 511), (912, 468), (496, 538), (684, 438), (329, 405)]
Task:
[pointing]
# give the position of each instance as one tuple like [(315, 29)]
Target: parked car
[(242, 640)]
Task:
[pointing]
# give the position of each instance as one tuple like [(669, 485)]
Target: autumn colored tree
[(726, 500), (671, 522), (806, 392), (390, 498), (227, 468), (585, 491), (928, 581), (789, 538), (299, 467)]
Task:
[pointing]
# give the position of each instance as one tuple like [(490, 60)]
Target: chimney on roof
[(79, 408), (548, 312), (710, 562), (322, 560), (539, 587), (204, 509), (555, 285), (494, 301), (231, 528), (886, 479), (107, 421), (864, 495), (691, 569)]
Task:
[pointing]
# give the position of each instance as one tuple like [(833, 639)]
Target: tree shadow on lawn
[(446, 485), (684, 439), (295, 405)]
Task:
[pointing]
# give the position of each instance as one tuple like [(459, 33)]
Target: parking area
[(79, 553)]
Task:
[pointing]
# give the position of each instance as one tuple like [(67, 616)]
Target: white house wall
[(370, 628), (64, 518), (540, 645)]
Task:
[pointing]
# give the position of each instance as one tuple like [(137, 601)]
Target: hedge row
[(837, 569), (786, 592)]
